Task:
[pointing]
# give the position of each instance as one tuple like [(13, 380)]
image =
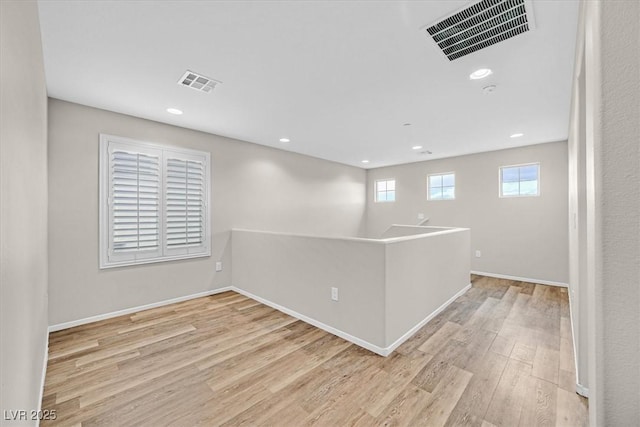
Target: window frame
[(106, 259), (441, 187), (502, 196), (375, 190)]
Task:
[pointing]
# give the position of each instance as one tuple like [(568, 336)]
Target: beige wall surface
[(618, 149), (252, 187), (399, 230), (521, 236), (578, 215), (384, 288), (421, 275), (605, 210), (298, 272), (23, 209)]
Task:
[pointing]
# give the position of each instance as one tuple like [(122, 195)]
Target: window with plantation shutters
[(153, 202)]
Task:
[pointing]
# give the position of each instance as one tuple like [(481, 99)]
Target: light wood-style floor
[(499, 355)]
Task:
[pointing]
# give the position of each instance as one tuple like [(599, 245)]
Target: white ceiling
[(339, 78)]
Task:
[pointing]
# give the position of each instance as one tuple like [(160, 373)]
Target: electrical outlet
[(420, 216), (478, 254), (219, 266), (334, 294)]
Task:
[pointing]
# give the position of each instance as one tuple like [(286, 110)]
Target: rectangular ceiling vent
[(198, 82), (481, 25)]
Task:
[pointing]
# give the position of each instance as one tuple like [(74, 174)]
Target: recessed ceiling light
[(517, 135), (365, 161), (284, 140), (416, 147), (174, 111), (480, 74)]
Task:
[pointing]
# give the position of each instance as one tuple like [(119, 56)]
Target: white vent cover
[(198, 82), (480, 25)]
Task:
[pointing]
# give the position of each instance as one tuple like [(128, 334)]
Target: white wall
[(578, 216), (252, 187), (524, 237), (385, 287), (612, 169), (23, 208), (421, 276), (620, 199), (298, 272)]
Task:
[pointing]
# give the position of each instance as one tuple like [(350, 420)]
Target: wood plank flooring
[(500, 355)]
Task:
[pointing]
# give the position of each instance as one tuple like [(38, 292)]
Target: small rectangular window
[(154, 202), (441, 186), (386, 190), (520, 180)]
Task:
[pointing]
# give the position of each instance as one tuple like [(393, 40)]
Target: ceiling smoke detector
[(489, 89), (198, 82), (480, 25)]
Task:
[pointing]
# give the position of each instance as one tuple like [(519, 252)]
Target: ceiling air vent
[(197, 81), (484, 24)]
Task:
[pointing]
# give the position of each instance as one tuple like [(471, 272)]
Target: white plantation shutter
[(135, 202), (185, 205), (153, 202)]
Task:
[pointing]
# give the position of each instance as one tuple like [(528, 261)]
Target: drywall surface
[(619, 201), (23, 210), (577, 220), (408, 230), (421, 275), (252, 187), (523, 237), (385, 288), (298, 272)]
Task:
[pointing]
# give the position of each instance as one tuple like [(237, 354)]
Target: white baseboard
[(360, 342), (382, 351), (71, 324), (521, 279), (582, 390), (424, 321)]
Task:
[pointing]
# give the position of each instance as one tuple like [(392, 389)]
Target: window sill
[(104, 265)]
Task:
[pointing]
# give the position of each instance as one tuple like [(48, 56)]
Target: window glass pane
[(435, 181), (391, 196), (519, 180), (449, 180), (381, 185), (529, 188), (391, 184), (510, 188), (510, 174), (529, 173), (382, 196), (448, 193), (435, 193)]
